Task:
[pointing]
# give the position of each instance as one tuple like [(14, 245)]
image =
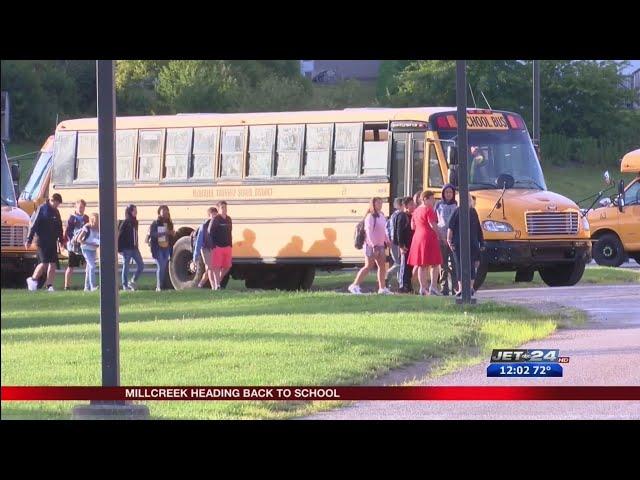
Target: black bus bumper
[(501, 256)]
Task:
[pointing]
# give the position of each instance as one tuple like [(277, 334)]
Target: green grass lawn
[(206, 338), (578, 182)]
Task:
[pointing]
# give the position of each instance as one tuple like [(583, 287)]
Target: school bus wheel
[(608, 251), (563, 275)]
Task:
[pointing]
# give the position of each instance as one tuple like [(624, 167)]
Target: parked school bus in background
[(17, 262), (36, 191), (298, 182), (615, 226)]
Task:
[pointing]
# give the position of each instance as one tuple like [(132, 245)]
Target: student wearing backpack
[(161, 241), (76, 221), (395, 251), (128, 247), (90, 242), (376, 240), (444, 209), (203, 246), (222, 241)]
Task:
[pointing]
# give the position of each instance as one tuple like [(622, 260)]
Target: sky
[(635, 64)]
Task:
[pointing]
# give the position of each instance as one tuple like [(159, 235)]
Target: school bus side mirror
[(15, 172), (621, 196), (452, 155), (606, 177)]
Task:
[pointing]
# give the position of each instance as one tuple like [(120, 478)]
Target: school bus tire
[(608, 251), (636, 257), (308, 276), (180, 276), (564, 275)]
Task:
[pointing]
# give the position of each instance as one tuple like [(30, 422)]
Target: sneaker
[(385, 291), (158, 289), (94, 289), (32, 284), (50, 289), (433, 291), (87, 289), (355, 289), (423, 292), (132, 286)]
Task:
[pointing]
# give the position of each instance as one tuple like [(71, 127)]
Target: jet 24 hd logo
[(526, 363)]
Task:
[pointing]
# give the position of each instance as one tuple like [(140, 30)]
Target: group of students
[(424, 238), (81, 240)]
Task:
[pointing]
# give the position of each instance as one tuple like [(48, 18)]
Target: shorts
[(221, 257), (205, 253), (75, 260), (47, 253), (371, 252)]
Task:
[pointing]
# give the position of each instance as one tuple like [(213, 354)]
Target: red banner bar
[(320, 393)]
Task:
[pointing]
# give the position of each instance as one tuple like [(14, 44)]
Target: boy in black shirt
[(402, 237)]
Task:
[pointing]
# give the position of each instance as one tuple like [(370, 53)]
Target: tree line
[(582, 101)]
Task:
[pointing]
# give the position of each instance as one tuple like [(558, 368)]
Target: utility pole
[(536, 103), (463, 182), (109, 309)]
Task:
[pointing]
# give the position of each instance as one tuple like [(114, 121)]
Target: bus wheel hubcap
[(607, 251)]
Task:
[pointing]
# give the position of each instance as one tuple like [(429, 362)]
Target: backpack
[(360, 235)]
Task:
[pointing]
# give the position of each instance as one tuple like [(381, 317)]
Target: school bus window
[(149, 151), (375, 152), (261, 149), (435, 175), (231, 155), (87, 157), (64, 158), (125, 150), (289, 150), (177, 150), (347, 148), (632, 195), (204, 152), (318, 148)]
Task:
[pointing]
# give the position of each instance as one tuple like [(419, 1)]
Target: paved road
[(604, 351)]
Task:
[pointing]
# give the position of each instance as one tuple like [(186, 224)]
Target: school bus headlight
[(491, 226), (585, 223)]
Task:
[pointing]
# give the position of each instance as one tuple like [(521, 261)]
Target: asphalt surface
[(604, 351)]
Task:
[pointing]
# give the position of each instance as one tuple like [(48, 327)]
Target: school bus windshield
[(8, 194), (491, 154)]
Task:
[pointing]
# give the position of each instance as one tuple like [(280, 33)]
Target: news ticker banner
[(21, 393)]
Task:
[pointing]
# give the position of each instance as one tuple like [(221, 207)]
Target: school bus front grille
[(552, 223), (14, 236)]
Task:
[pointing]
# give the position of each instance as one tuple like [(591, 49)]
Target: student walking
[(90, 242), (444, 209), (222, 241), (48, 227), (404, 235), (203, 247), (395, 251), (128, 247), (161, 242), (376, 240), (425, 250), (476, 241), (76, 221)]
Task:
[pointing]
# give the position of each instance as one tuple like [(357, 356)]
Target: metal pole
[(109, 316), (463, 179), (110, 335), (536, 102)]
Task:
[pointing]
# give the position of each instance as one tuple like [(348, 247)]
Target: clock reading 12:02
[(538, 363)]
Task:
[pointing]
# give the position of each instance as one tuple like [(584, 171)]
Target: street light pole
[(536, 103), (463, 181), (109, 311)]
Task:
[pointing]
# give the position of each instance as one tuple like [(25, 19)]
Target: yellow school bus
[(17, 261), (298, 182), (35, 192), (615, 227)]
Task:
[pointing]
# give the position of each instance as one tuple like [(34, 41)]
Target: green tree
[(198, 86), (136, 82)]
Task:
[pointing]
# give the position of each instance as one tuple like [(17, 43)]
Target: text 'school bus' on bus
[(298, 182), (615, 226), (17, 262)]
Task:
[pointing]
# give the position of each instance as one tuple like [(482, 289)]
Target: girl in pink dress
[(425, 249)]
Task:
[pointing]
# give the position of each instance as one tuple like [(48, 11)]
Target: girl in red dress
[(425, 249)]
